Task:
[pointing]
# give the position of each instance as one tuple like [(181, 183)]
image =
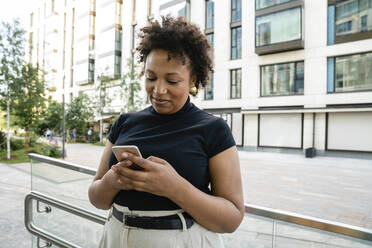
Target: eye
[(172, 82), (150, 79)]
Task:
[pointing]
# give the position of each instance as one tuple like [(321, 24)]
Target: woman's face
[(167, 81)]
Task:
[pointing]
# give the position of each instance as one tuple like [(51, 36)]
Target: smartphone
[(118, 150)]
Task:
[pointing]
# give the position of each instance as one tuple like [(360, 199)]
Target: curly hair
[(179, 37)]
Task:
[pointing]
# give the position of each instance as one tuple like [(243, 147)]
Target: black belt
[(146, 222)]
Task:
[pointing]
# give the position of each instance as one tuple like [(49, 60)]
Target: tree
[(126, 87), (103, 99), (79, 112), (11, 62), (52, 118), (130, 89), (29, 99)]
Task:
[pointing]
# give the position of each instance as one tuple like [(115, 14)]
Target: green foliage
[(95, 137), (2, 140), (51, 151), (33, 139), (52, 118), (21, 85), (78, 113), (17, 144), (130, 89), (127, 88), (12, 58), (29, 101)]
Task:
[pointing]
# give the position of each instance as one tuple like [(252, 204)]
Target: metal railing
[(302, 220), (52, 202)]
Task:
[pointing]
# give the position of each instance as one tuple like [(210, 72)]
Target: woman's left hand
[(157, 177)]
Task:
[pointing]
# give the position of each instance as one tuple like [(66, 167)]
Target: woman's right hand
[(113, 179)]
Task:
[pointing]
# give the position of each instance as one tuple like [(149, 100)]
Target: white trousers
[(117, 235)]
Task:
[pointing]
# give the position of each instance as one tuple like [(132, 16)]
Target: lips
[(159, 101)]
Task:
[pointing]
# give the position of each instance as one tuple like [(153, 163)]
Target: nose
[(160, 87)]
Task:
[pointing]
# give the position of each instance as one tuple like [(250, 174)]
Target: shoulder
[(210, 120), (132, 117)]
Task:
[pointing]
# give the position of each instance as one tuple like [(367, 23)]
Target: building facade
[(289, 74)]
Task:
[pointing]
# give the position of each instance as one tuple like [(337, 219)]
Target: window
[(236, 10), (236, 40), (348, 21), (91, 71), (278, 27), (208, 91), (235, 83), (282, 79), (209, 32), (209, 21), (176, 8), (350, 73), (118, 39), (236, 30), (117, 66), (260, 4)]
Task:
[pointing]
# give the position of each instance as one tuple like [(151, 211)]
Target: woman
[(169, 203)]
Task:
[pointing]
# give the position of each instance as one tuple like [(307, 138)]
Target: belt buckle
[(124, 220)]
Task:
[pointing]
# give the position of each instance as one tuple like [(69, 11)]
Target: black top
[(186, 139)]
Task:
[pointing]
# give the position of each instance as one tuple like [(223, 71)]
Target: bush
[(51, 151), (33, 138), (2, 140), (95, 137), (17, 144)]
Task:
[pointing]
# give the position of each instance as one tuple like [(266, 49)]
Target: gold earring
[(193, 90)]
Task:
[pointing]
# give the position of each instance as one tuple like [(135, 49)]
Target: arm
[(224, 210), (221, 212), (103, 188)]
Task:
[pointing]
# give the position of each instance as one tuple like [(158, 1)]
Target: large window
[(278, 27), (235, 83), (349, 20), (350, 73), (282, 79), (352, 17), (260, 4)]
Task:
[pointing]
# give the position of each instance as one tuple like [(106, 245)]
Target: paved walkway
[(337, 189)]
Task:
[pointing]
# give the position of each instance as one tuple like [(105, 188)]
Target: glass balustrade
[(64, 186), (67, 186)]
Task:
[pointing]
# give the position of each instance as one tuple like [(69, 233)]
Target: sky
[(10, 9)]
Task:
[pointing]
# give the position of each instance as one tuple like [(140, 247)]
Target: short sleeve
[(218, 137), (115, 129)]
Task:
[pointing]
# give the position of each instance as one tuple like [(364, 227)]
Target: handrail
[(62, 163), (317, 223), (61, 205), (303, 220)]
